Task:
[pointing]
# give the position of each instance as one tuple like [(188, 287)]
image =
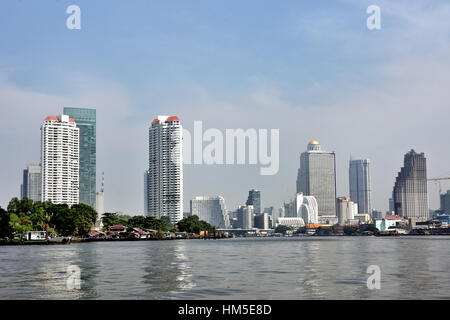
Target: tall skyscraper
[(254, 199), (146, 193), (31, 187), (360, 185), (317, 177), (166, 168), (211, 210), (60, 160), (410, 190), (86, 122)]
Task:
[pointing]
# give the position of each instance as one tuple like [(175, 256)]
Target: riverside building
[(166, 168), (60, 160), (254, 199), (211, 210), (410, 189), (360, 184), (31, 187), (317, 177), (85, 120)]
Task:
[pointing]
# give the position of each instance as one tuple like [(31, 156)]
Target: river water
[(242, 268)]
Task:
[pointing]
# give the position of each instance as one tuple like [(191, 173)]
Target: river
[(241, 268)]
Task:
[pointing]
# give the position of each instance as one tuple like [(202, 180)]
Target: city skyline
[(313, 146), (230, 79)]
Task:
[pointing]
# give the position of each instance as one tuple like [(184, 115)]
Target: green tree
[(84, 217), (282, 229), (137, 222), (168, 226), (62, 218), (193, 224), (350, 230), (110, 219), (5, 228)]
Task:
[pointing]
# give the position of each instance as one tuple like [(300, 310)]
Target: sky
[(311, 69)]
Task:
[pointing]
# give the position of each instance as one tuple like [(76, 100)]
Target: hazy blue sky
[(310, 68)]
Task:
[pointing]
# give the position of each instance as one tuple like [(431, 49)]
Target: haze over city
[(313, 71)]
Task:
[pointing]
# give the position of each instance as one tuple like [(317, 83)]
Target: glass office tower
[(85, 120)]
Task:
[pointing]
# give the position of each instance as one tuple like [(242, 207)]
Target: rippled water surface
[(246, 268)]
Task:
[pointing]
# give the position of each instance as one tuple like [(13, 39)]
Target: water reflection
[(308, 268), (167, 269)]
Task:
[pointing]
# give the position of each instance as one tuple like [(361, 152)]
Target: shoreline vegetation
[(29, 222), (26, 222)]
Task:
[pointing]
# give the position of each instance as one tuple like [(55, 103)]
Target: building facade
[(211, 210), (245, 217), (60, 160), (410, 189), (254, 199), (146, 193), (346, 210), (86, 121), (261, 221), (361, 185), (166, 168), (100, 204), (317, 177), (445, 202), (306, 208), (31, 187)]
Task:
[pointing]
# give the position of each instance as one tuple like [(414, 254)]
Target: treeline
[(26, 215), (191, 224), (143, 222)]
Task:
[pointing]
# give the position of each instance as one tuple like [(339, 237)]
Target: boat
[(34, 237), (391, 232)]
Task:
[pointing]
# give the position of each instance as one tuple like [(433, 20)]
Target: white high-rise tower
[(166, 168), (60, 160)]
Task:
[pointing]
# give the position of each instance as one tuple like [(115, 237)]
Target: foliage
[(300, 230), (369, 227), (193, 224), (282, 229), (110, 219), (350, 230), (124, 218), (168, 226), (85, 216), (26, 215), (5, 228), (142, 222)]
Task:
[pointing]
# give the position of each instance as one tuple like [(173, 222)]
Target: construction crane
[(438, 182)]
